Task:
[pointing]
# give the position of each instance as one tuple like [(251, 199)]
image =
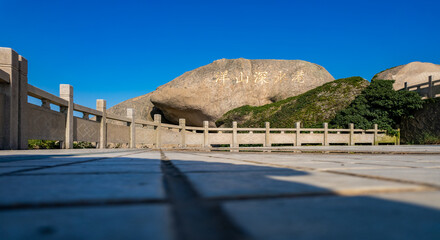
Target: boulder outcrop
[(413, 73), (143, 107), (210, 91)]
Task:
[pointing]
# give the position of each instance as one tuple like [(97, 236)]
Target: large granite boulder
[(413, 73), (142, 105), (208, 92)]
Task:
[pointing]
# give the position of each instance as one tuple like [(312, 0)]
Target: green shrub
[(379, 104), (43, 144), (312, 108)]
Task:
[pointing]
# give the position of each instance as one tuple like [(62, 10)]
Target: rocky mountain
[(143, 107), (210, 91), (312, 108), (413, 73)]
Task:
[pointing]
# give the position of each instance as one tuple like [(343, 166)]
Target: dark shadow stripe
[(83, 203), (194, 217)]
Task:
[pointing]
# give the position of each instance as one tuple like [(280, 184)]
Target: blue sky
[(117, 50)]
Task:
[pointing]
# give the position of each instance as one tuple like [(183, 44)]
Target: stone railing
[(21, 121), (429, 89)]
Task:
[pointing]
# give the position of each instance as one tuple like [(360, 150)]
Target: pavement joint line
[(62, 165), (428, 185), (341, 193), (39, 157), (85, 203), (195, 218), (82, 173)]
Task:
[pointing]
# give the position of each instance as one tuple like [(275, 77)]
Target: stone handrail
[(429, 89), (21, 121)]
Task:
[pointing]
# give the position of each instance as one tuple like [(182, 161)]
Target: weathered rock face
[(143, 107), (208, 92), (413, 73)]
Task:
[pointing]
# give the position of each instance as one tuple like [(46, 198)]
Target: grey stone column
[(182, 124), (298, 134), (430, 93), (101, 105), (235, 143), (325, 134), (132, 124), (375, 135), (9, 99), (66, 93), (267, 135), (351, 142), (158, 120), (22, 103), (206, 134)]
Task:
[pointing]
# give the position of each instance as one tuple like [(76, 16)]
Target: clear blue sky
[(117, 50)]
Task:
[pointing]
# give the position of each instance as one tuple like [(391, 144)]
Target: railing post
[(351, 143), (267, 135), (406, 86), (430, 95), (398, 137), (132, 124), (182, 124), (326, 134), (298, 134), (66, 93), (206, 134), (235, 143), (375, 135), (158, 120), (101, 105), (22, 103), (9, 99)]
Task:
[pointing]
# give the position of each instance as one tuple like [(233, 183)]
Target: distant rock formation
[(413, 73), (144, 109), (208, 92)]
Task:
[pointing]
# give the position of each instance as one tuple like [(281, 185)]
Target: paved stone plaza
[(144, 194)]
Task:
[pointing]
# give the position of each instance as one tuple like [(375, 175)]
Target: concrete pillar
[(406, 86), (267, 135), (351, 141), (235, 143), (182, 124), (430, 92), (206, 134), (66, 93), (298, 134), (157, 121), (9, 98), (101, 105), (326, 134), (375, 135), (22, 103), (132, 124)]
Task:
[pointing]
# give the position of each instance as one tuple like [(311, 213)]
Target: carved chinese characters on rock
[(259, 78)]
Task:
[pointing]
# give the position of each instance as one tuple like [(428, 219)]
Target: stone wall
[(424, 128), (21, 121)]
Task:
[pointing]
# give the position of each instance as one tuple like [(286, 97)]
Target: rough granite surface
[(208, 92)]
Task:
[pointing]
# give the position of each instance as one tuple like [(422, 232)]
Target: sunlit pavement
[(142, 194)]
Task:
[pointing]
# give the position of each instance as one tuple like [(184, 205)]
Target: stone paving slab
[(335, 217), (25, 189), (108, 222), (111, 194), (101, 168), (267, 183), (421, 175)]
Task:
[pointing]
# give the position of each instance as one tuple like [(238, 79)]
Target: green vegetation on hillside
[(379, 104), (312, 108)]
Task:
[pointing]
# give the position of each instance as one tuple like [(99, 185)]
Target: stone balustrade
[(429, 89), (21, 121)]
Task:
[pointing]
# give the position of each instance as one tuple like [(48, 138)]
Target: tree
[(379, 104)]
